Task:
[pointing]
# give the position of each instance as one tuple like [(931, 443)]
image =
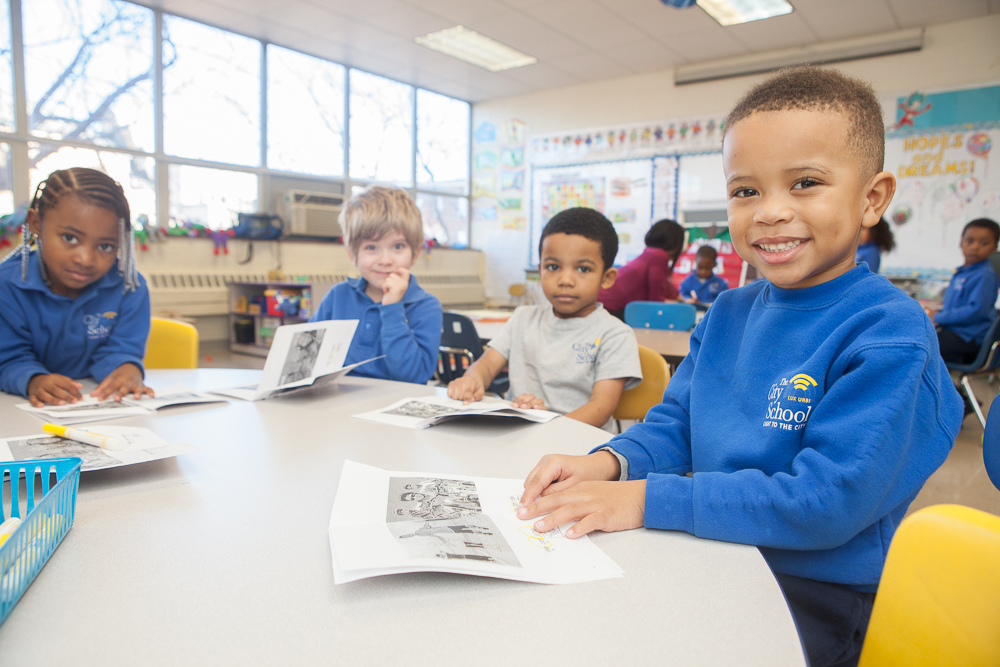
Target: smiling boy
[(570, 356), (813, 404), (383, 234)]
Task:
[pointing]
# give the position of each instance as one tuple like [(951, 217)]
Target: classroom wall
[(954, 54)]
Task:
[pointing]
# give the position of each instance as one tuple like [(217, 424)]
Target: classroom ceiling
[(574, 40)]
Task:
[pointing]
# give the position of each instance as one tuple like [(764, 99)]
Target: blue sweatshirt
[(810, 419), (969, 306), (408, 333), (91, 335), (869, 253), (707, 290)]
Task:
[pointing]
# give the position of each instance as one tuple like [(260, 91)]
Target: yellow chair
[(939, 599), (171, 344), (636, 402)]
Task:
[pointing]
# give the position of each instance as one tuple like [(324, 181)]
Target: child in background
[(969, 306), (813, 404), (647, 277), (75, 306), (873, 243), (703, 286), (569, 356), (383, 234)]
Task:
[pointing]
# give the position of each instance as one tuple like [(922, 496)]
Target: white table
[(222, 556)]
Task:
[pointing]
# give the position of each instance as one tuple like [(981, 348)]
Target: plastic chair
[(636, 402), (939, 599), (991, 444), (987, 361), (460, 347), (171, 344), (660, 315)]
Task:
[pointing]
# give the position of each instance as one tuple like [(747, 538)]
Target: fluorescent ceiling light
[(733, 12), (468, 45)]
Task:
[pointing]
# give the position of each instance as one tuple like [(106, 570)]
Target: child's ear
[(33, 221), (880, 191), (609, 278)]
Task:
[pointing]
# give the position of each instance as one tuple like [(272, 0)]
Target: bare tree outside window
[(442, 143), (381, 129)]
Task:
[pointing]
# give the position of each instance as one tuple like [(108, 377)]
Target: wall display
[(664, 188), (728, 264)]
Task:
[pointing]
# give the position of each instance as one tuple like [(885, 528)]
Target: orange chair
[(171, 344), (636, 402)]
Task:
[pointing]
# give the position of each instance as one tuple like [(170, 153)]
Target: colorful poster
[(728, 264)]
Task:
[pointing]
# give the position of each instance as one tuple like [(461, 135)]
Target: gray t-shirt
[(560, 360)]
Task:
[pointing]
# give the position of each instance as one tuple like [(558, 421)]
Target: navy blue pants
[(831, 619), (954, 349)]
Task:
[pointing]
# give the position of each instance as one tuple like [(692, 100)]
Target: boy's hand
[(467, 389), (395, 286), (529, 402), (558, 472), (605, 506), (122, 381), (53, 388)]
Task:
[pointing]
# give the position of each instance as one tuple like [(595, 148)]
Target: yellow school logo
[(802, 382), (109, 315)]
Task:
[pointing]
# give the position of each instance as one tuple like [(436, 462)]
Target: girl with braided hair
[(74, 305)]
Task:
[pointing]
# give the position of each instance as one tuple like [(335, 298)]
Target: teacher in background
[(647, 277), (873, 243)]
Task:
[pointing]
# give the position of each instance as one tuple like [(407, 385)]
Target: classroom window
[(305, 113), (446, 219), (211, 93), (89, 71), (442, 143), (6, 71), (381, 129), (6, 182), (210, 197), (136, 174)]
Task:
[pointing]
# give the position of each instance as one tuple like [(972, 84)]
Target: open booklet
[(140, 445), (90, 409), (394, 522), (302, 355), (425, 411)]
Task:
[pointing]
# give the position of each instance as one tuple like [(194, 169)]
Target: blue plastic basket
[(45, 521)]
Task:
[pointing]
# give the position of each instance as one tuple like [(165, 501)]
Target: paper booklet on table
[(140, 445), (393, 522), (425, 411), (300, 355), (90, 409)]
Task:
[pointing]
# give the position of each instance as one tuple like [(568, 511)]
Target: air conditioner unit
[(311, 213)]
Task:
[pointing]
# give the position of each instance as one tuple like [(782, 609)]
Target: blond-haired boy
[(383, 234), (814, 404)]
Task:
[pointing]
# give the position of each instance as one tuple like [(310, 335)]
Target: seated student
[(569, 356), (74, 306), (383, 234), (873, 243), (703, 286), (647, 277), (969, 306), (813, 404)]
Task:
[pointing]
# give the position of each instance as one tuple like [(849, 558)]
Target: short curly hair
[(588, 223), (811, 88)]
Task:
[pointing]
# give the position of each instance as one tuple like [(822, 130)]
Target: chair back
[(991, 444), (458, 331), (660, 315), (938, 602), (988, 359), (171, 344), (636, 402)]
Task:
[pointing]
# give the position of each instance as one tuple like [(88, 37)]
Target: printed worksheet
[(90, 409), (394, 522), (301, 354), (140, 445), (426, 411)]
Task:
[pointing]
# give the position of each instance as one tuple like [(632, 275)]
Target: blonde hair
[(378, 211)]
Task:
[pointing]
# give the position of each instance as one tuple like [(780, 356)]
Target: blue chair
[(987, 361), (460, 347), (660, 315), (991, 444)]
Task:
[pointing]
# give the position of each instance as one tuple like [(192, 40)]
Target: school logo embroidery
[(790, 401), (586, 353), (99, 324)]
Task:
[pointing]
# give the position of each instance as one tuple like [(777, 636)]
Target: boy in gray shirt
[(569, 356)]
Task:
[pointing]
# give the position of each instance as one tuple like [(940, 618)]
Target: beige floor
[(961, 480)]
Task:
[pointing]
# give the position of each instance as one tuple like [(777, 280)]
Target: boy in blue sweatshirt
[(703, 286), (813, 404), (969, 306), (383, 234)]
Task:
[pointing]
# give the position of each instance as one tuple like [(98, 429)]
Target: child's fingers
[(547, 471), (148, 391)]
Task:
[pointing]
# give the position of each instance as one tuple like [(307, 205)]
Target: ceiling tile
[(780, 32), (914, 13), (591, 67), (644, 56), (542, 75), (586, 21), (846, 18), (659, 20), (702, 45), (531, 37)]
